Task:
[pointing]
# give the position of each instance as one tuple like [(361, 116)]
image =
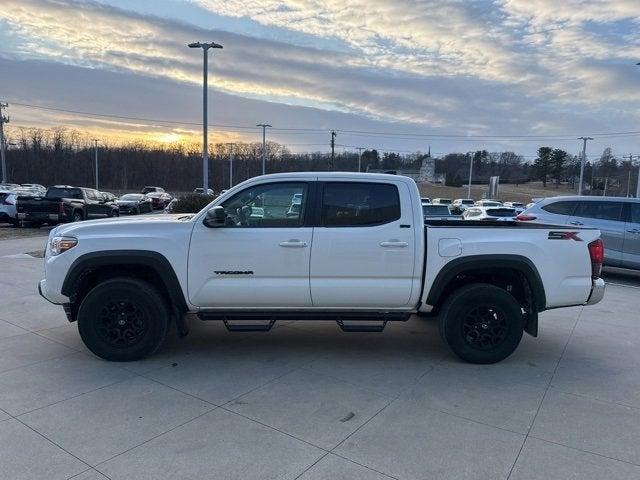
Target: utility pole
[(95, 149), (630, 157), (205, 133), (359, 158), (264, 145), (470, 174), (583, 161), (333, 149), (3, 120)]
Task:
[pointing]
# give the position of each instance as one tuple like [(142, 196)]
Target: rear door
[(364, 247), (608, 216), (631, 250), (557, 213)]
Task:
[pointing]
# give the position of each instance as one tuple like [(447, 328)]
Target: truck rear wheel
[(123, 319), (481, 323)]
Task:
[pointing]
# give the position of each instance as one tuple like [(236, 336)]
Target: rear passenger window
[(347, 204), (600, 210), (560, 208)]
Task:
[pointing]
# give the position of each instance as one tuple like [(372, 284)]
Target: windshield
[(444, 201), (131, 197), (438, 210), (467, 202), (61, 192)]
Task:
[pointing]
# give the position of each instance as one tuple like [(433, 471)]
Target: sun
[(169, 137)]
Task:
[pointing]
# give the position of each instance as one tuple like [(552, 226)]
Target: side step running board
[(360, 326), (263, 321)]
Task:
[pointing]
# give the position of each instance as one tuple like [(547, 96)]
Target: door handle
[(293, 244), (575, 222), (394, 244)]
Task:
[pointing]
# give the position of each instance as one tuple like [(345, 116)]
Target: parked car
[(34, 187), (7, 187), (134, 203), (488, 203), (519, 207), (617, 218), (8, 200), (159, 200), (489, 213), (201, 190), (441, 201), (459, 205), (437, 212), (64, 203), (149, 189), (108, 196), (354, 254), (425, 200)]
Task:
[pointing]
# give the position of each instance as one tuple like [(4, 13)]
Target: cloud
[(508, 66)]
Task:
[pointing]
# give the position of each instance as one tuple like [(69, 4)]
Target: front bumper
[(49, 296), (597, 292)]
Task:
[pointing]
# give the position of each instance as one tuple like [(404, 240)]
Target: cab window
[(267, 206), (351, 204)]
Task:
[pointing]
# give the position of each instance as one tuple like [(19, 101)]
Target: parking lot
[(308, 401)]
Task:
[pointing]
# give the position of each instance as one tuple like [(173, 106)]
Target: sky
[(396, 75)]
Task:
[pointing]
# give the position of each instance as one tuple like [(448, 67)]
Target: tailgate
[(37, 205)]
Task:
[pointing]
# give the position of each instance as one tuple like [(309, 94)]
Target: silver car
[(617, 218)]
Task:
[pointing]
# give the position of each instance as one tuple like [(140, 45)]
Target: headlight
[(58, 245)]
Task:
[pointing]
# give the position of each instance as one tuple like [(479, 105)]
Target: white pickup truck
[(351, 248)]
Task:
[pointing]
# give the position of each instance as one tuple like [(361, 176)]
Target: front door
[(631, 253), (364, 247), (260, 259)]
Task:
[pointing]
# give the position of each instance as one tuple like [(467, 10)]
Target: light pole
[(470, 175), (205, 143), (264, 145), (359, 158), (95, 148), (583, 161), (231, 153), (3, 120)]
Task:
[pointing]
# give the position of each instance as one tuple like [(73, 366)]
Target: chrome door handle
[(394, 243), (576, 223), (293, 244)]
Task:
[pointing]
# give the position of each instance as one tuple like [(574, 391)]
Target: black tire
[(77, 216), (481, 323), (123, 319), (136, 211)]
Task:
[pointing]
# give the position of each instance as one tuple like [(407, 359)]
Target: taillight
[(596, 252), (525, 217), (61, 208)]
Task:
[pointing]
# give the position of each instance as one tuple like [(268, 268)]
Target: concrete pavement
[(308, 401)]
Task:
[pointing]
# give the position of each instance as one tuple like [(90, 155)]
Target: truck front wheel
[(481, 323), (123, 319)]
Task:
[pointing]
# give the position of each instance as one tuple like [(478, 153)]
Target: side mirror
[(215, 217)]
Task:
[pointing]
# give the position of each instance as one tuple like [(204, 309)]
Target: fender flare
[(514, 262), (154, 260)]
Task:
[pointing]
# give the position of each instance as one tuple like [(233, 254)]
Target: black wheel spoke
[(484, 327), (122, 323)]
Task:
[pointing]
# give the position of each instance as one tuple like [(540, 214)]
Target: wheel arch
[(91, 268), (493, 269)]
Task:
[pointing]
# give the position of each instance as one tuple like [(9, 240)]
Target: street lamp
[(95, 146), (205, 144), (264, 145)]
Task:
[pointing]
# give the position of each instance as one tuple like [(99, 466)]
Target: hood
[(120, 223)]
